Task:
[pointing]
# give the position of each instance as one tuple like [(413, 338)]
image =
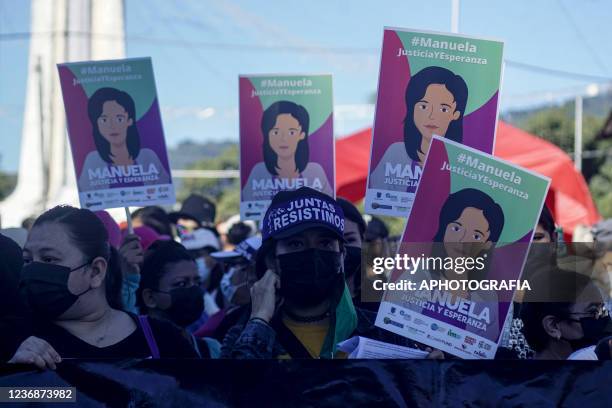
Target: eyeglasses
[(601, 312)]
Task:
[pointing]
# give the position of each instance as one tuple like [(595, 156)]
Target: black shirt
[(13, 331), (170, 342)]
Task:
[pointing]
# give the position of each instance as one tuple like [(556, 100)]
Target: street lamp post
[(454, 16)]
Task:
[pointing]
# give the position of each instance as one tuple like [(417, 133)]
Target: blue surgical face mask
[(228, 289), (203, 269)]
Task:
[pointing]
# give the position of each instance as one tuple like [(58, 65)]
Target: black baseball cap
[(292, 212), (197, 208)]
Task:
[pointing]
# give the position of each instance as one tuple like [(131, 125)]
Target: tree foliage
[(225, 192), (601, 188), (557, 126), (7, 184)]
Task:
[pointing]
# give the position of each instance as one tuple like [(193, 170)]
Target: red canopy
[(569, 198)]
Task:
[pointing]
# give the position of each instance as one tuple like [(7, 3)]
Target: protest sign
[(286, 138), (116, 135), (429, 84), (363, 347), (468, 233)]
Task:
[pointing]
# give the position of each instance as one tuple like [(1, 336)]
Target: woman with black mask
[(300, 306), (67, 261), (564, 312), (542, 257), (170, 290)]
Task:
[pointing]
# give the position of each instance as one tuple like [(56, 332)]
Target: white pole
[(578, 133), (128, 218), (454, 16)]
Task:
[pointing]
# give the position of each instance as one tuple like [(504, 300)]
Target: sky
[(200, 47)]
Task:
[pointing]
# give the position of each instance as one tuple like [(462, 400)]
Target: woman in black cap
[(301, 307)]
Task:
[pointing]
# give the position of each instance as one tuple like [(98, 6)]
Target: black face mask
[(187, 305), (593, 329), (309, 277), (44, 288), (352, 261)]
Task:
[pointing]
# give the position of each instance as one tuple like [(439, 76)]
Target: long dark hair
[(451, 211), (94, 110), (156, 218), (87, 233), (267, 123), (470, 197), (548, 222), (417, 86)]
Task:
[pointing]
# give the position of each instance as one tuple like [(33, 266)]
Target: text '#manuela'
[(437, 50), (286, 87), (472, 168), (111, 73), (136, 173)]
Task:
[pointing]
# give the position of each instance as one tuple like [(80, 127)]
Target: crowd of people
[(177, 285)]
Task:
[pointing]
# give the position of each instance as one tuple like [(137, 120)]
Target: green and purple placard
[(286, 138), (116, 134), (429, 84), (466, 201)]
